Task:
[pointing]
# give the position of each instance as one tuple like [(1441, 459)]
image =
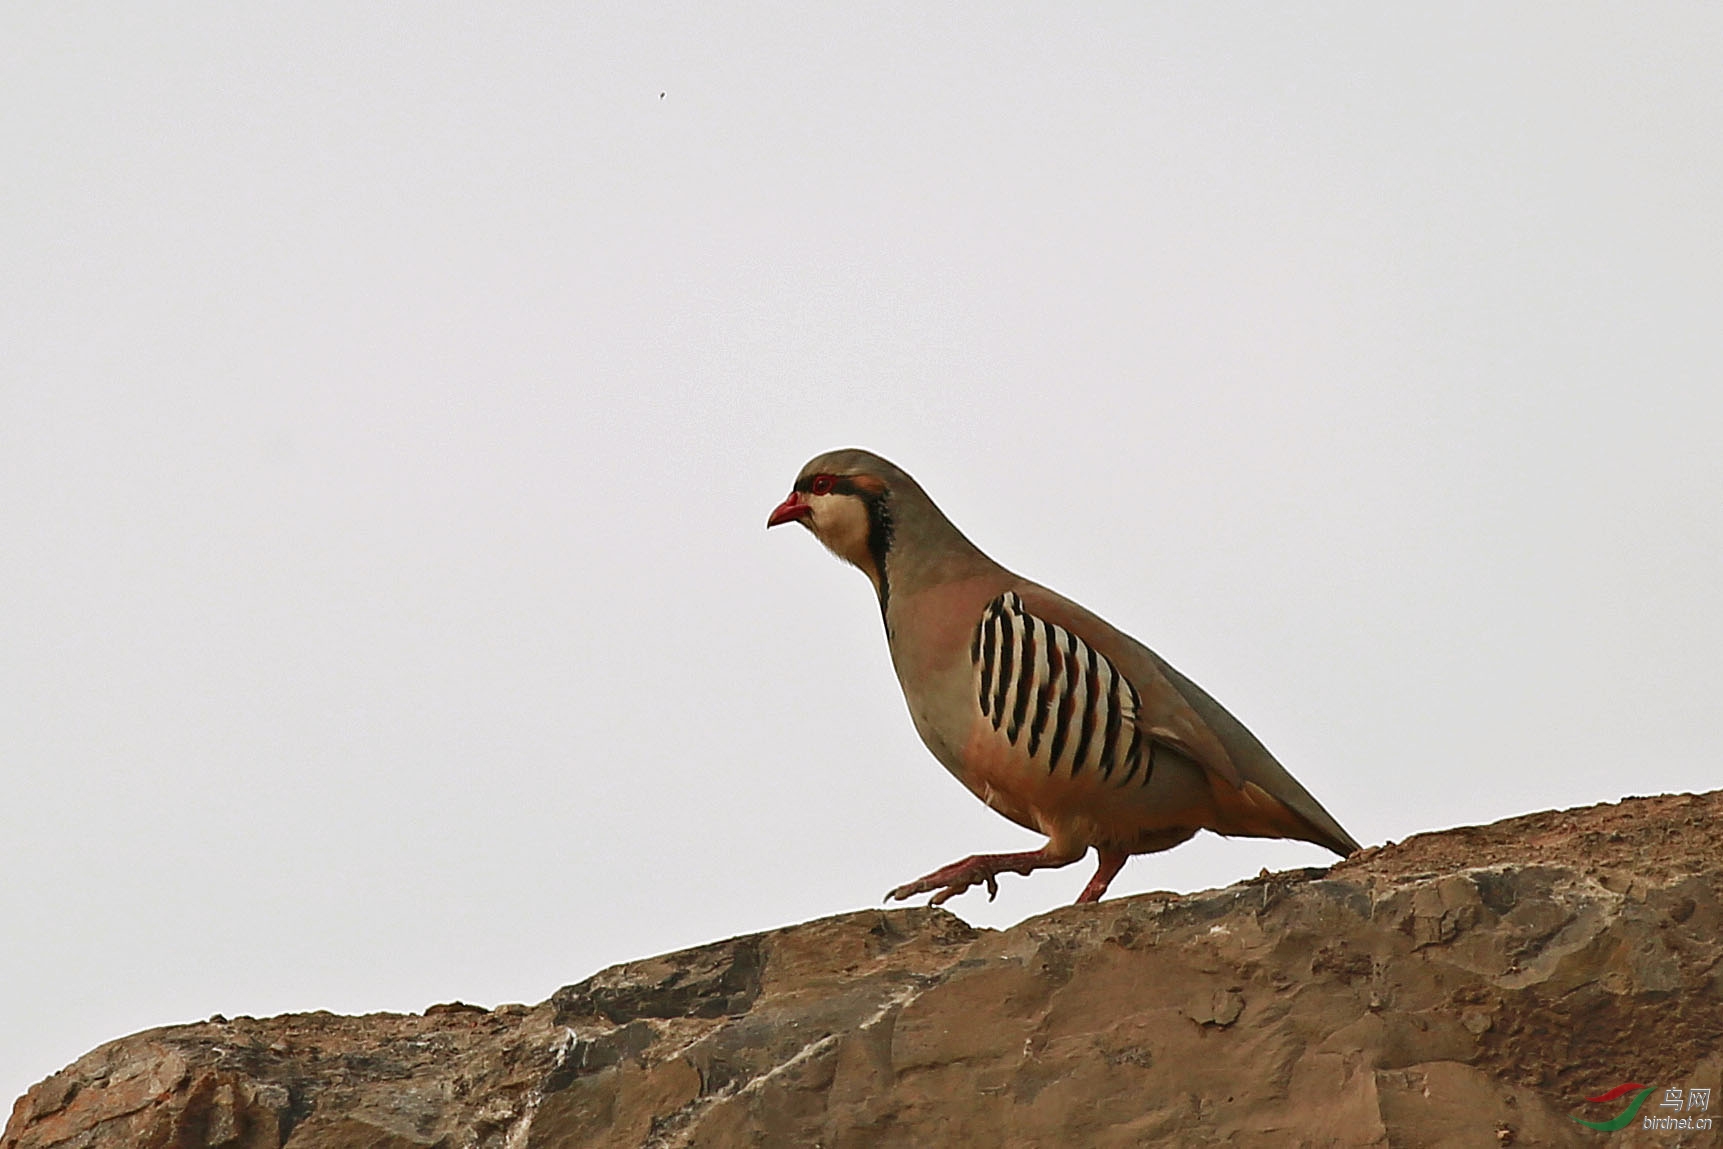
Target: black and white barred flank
[(1038, 681)]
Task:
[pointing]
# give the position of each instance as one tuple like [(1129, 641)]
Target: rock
[(1460, 988)]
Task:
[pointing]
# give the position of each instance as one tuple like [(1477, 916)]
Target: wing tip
[(1317, 827)]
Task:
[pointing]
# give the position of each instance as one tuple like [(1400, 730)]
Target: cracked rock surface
[(1469, 987)]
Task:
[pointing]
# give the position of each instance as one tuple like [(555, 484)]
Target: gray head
[(870, 513)]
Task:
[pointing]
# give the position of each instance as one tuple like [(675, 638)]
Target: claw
[(954, 879)]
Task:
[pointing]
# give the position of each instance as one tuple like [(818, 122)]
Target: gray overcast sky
[(391, 399)]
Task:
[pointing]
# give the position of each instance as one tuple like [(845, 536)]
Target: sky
[(392, 398)]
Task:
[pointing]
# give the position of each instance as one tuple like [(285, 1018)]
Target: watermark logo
[(1682, 1102), (1622, 1119)]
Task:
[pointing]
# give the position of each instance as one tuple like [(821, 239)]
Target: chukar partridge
[(1052, 717)]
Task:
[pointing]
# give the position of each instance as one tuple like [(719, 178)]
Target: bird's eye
[(822, 485)]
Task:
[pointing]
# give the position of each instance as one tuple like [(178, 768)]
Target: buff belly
[(1089, 809)]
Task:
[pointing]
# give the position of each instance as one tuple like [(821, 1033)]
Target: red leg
[(959, 876), (1112, 861)]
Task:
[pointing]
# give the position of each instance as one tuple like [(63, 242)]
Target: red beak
[(789, 511)]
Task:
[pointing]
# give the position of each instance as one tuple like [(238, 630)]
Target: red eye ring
[(822, 485)]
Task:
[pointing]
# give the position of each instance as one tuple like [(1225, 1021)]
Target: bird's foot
[(973, 870), (1112, 861)]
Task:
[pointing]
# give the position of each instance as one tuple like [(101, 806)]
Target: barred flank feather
[(1037, 679)]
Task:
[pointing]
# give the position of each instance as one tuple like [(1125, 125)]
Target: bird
[(1050, 715)]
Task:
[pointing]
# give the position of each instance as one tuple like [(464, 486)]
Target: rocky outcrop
[(1471, 987)]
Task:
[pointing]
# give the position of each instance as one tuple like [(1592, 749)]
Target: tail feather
[(1299, 815)]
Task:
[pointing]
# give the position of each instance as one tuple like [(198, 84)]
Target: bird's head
[(868, 512), (845, 498)]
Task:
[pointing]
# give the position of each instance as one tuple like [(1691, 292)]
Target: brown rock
[(1463, 988)]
